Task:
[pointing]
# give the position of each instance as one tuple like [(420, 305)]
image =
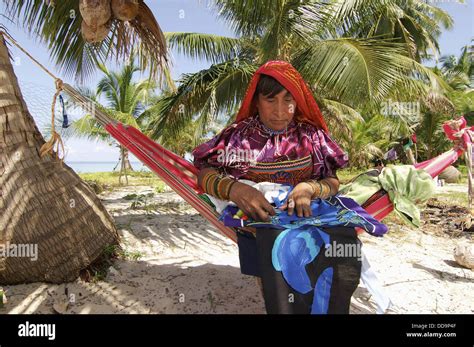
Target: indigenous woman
[(280, 136)]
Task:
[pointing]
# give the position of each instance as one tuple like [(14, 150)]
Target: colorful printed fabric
[(331, 212), (333, 277), (283, 172), (302, 239), (243, 146)]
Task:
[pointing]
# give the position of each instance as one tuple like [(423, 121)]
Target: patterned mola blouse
[(250, 150)]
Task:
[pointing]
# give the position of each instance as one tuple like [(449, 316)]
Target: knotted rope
[(55, 143)]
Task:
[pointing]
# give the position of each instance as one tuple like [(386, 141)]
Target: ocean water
[(101, 166)]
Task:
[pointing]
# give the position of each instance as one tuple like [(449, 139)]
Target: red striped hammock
[(181, 175)]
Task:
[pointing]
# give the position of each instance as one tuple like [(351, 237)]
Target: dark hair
[(268, 86)]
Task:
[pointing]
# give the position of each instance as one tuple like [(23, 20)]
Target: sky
[(173, 16)]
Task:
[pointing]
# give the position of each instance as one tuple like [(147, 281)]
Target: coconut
[(125, 10), (93, 35), (95, 12), (464, 254)]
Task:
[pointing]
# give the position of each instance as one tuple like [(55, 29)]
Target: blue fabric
[(66, 123), (322, 292), (302, 240), (335, 211), (292, 251)]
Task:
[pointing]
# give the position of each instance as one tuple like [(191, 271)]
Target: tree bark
[(43, 203), (126, 160), (123, 166)]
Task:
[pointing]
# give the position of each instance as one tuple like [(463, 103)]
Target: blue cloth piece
[(324, 236), (63, 110), (277, 200), (301, 240), (335, 211), (322, 292), (278, 203), (292, 251)]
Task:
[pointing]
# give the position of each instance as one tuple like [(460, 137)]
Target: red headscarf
[(307, 109)]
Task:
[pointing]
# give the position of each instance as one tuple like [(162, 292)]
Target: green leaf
[(213, 48)]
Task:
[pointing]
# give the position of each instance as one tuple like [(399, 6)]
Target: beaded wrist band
[(216, 185), (320, 189)]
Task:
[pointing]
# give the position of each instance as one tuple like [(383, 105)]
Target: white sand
[(186, 266)]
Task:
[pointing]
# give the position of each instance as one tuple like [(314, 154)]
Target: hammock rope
[(55, 143), (164, 170)]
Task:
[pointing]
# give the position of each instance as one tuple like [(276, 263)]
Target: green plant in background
[(160, 187), (110, 179), (135, 255), (364, 146), (354, 54), (459, 74), (141, 201), (126, 100)]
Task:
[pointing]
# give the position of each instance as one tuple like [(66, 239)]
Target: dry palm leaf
[(438, 103), (77, 57), (145, 29)]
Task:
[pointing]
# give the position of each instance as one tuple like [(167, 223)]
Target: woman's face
[(276, 112)]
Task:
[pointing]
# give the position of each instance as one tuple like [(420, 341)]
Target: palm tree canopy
[(58, 25), (323, 40), (125, 101)]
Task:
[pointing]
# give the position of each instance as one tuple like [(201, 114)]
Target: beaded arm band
[(321, 189), (216, 185)]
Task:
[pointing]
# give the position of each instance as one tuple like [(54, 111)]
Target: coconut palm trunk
[(124, 164), (126, 159), (43, 203)]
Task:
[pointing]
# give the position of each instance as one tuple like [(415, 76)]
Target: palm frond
[(58, 25), (247, 17), (226, 82), (213, 48), (88, 128), (352, 71)]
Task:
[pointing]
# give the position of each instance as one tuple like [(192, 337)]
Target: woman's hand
[(299, 199), (251, 201)]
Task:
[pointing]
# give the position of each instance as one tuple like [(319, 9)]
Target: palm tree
[(366, 142), (349, 73), (184, 142), (126, 101), (459, 74), (58, 25), (433, 141), (463, 64), (415, 23), (43, 202)]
